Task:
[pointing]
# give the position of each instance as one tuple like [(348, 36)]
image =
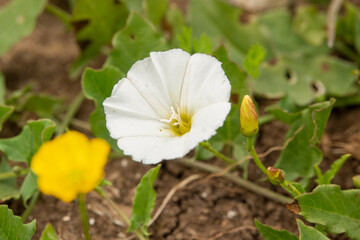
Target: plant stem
[(103, 194), (257, 161), (14, 173), (84, 216), (207, 146), (73, 108), (59, 13), (29, 210), (266, 118), (116, 154), (288, 186), (238, 180)]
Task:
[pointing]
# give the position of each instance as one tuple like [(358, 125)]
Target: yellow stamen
[(179, 121)]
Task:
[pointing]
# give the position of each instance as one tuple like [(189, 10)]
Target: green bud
[(356, 181), (276, 176), (248, 117)]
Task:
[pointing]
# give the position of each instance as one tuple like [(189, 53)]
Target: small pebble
[(121, 235), (124, 163), (118, 223), (66, 218), (231, 214), (92, 221), (204, 194)]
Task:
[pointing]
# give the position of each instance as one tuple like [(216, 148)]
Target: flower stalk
[(84, 216), (288, 186), (208, 147), (16, 172), (249, 127)]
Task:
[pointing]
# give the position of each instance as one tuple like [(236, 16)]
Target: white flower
[(167, 104)]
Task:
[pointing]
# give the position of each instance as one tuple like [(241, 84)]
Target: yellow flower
[(70, 164), (248, 117)]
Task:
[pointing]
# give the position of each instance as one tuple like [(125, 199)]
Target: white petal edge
[(128, 114), (205, 83), (152, 149), (144, 76), (171, 66)]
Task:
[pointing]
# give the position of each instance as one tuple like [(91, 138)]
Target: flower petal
[(205, 83), (145, 78), (206, 121), (128, 113), (171, 66), (151, 150)]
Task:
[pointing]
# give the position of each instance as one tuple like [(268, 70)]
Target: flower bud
[(276, 176), (356, 181), (248, 117)]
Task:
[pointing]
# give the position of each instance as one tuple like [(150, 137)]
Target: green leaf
[(281, 36), (8, 187), (5, 113), (338, 211), (28, 187), (95, 23), (269, 233), (42, 105), (309, 233), (294, 67), (301, 154), (134, 43), (236, 76), (144, 200), (22, 147), (18, 18), (175, 18), (11, 226), (98, 85), (310, 24), (134, 5), (328, 70), (49, 233), (185, 39), (348, 28), (330, 174), (254, 57), (155, 10), (17, 96), (202, 44), (220, 20), (2, 89)]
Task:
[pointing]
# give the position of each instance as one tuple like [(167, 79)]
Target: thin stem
[(7, 175), (103, 194), (257, 161), (59, 13), (238, 180), (74, 107), (266, 118), (207, 146), (84, 216), (288, 186), (32, 204), (13, 174), (116, 154)]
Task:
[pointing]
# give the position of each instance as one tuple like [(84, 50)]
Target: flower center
[(179, 121)]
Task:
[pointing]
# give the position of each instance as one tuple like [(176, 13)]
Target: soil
[(213, 209)]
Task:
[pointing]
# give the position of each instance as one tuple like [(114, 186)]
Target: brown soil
[(215, 209)]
